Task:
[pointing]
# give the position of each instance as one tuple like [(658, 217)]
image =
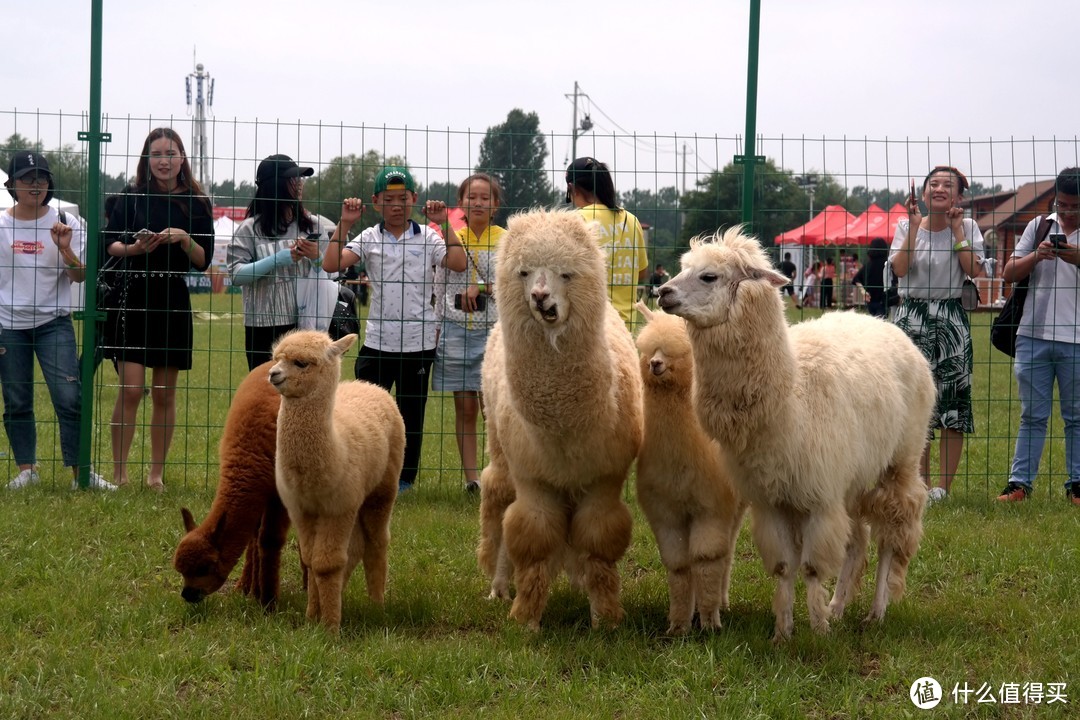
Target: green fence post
[(748, 159), (91, 216)]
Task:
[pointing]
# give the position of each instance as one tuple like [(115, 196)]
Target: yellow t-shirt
[(624, 245)]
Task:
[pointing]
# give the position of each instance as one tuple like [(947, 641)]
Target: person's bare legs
[(951, 448), (122, 427), (466, 409), (162, 423)]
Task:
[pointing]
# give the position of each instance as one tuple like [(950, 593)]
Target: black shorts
[(789, 289)]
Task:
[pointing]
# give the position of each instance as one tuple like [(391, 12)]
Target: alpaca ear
[(340, 347), (771, 276), (644, 310), (189, 519)]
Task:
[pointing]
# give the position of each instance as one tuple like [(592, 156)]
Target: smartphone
[(143, 234), (913, 191), (481, 302), (1058, 240)]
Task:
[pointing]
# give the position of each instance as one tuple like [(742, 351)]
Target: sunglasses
[(36, 178)]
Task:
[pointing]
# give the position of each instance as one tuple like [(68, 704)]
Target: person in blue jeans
[(40, 257), (1048, 340)]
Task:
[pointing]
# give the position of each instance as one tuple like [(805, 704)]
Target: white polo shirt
[(401, 270)]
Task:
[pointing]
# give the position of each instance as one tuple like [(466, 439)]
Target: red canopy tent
[(875, 223), (833, 218)]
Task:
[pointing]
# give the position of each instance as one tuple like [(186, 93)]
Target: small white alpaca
[(683, 484), (340, 448), (824, 423), (563, 401)]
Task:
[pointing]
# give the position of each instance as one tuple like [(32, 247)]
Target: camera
[(481, 302), (1058, 240)]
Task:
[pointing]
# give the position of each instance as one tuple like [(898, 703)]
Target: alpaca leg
[(375, 526), (600, 529), (825, 536), (273, 532), (776, 542), (496, 494), (675, 554), (246, 583), (728, 561), (328, 561), (847, 584), (895, 509), (534, 528), (306, 527), (711, 554), (881, 586)]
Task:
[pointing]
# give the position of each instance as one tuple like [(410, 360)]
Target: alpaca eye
[(708, 277), (566, 276), (523, 273), (300, 364)]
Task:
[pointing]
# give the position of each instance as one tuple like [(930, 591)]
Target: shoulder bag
[(1003, 330)]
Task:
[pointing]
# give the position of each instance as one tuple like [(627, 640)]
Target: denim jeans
[(54, 345), (1038, 364)]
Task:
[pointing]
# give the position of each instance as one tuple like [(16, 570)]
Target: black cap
[(280, 166), (27, 161)]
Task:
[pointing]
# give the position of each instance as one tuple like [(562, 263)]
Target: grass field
[(92, 624)]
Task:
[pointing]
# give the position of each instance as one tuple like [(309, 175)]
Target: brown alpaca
[(247, 514), (340, 448), (824, 424), (563, 401), (683, 484)]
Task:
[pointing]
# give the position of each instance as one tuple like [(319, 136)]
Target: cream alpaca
[(824, 423), (683, 484), (340, 448), (563, 401)]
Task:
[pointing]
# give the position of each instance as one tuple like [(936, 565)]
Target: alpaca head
[(722, 277), (308, 362), (198, 559), (665, 354), (550, 271)]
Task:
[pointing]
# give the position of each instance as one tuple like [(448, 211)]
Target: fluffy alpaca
[(340, 448), (683, 485), (824, 423), (247, 514), (564, 419)]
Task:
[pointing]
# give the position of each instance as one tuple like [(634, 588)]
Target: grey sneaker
[(25, 477), (936, 495), (96, 483)]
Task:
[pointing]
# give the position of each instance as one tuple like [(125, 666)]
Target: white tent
[(224, 227)]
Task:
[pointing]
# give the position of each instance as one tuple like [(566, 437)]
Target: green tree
[(229, 193), (347, 176), (515, 153), (445, 191)]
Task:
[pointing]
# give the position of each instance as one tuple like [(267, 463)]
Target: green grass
[(92, 624)]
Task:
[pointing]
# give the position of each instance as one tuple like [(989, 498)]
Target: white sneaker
[(96, 483), (25, 477), (936, 495)]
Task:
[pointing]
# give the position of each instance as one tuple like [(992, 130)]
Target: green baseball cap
[(394, 177)]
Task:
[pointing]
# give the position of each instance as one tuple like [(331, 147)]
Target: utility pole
[(203, 103), (586, 122)]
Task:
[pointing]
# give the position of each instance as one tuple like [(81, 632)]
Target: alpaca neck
[(306, 427)]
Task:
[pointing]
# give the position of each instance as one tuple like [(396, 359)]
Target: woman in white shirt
[(931, 255)]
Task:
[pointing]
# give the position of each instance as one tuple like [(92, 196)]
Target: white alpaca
[(824, 422), (340, 448), (683, 484), (563, 402)]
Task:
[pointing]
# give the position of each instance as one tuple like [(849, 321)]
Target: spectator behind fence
[(827, 281), (871, 277), (590, 188), (398, 254), (276, 250), (40, 257), (810, 284), (1048, 340), (788, 270), (163, 227), (931, 255), (465, 303)]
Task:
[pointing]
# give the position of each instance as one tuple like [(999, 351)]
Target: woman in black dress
[(163, 227)]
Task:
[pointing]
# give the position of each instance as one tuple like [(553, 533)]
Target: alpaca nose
[(657, 366), (192, 595), (539, 295)]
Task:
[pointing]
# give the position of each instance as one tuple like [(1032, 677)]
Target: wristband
[(962, 245)]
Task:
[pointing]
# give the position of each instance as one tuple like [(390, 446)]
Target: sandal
[(156, 485)]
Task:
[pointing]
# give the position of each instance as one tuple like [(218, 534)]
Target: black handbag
[(110, 280), (345, 320), (1003, 330)]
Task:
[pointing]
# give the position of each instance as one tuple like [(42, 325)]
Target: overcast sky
[(321, 78)]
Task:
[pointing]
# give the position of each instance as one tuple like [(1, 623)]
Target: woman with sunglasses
[(931, 255), (40, 257), (274, 253), (591, 190), (162, 226)]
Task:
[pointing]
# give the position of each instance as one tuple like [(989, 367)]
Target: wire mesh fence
[(677, 186)]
